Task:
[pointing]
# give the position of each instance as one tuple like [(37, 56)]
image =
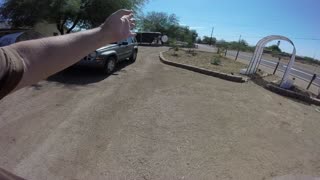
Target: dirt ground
[(153, 121)]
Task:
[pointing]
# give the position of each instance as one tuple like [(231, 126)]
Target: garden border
[(292, 94), (216, 74)]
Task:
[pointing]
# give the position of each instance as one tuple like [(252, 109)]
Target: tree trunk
[(59, 29), (60, 26), (74, 25)]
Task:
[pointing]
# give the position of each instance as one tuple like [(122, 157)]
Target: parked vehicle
[(107, 57), (7, 38), (149, 37)]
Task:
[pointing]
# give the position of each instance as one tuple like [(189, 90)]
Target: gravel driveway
[(153, 121)]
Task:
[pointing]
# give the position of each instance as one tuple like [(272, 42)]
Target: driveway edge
[(216, 74)]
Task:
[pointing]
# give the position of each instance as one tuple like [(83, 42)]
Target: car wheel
[(133, 56), (110, 65)]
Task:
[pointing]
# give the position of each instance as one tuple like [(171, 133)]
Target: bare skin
[(44, 57), (47, 56)]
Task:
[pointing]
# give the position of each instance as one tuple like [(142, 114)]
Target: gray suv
[(107, 57)]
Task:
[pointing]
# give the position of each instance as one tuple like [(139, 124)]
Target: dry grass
[(204, 59)]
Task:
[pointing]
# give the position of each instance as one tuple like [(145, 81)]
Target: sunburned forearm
[(2, 68), (47, 56)]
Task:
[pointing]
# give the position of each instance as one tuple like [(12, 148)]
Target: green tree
[(222, 44), (158, 22), (65, 13), (167, 24), (274, 48), (207, 40), (234, 45)]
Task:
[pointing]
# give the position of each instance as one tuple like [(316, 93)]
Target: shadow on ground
[(151, 45), (81, 75), (258, 80)]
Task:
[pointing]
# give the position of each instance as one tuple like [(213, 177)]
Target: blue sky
[(253, 19)]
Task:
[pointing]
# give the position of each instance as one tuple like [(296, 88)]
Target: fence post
[(237, 54), (225, 54), (275, 70), (313, 78)]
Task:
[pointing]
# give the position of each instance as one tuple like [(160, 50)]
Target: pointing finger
[(132, 34), (123, 12), (132, 20), (129, 17), (132, 25)]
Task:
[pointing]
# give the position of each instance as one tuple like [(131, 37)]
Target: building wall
[(46, 29), (4, 25)]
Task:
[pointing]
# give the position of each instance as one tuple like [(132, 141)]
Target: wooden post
[(275, 70), (238, 48), (237, 54), (313, 78)]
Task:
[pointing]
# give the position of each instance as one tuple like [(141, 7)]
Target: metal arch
[(256, 58)]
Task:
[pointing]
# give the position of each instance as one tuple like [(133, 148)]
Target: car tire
[(110, 65), (133, 56)]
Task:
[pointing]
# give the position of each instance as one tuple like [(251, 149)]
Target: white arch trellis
[(256, 59)]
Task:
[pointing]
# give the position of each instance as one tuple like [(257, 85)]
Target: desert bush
[(216, 60), (174, 45)]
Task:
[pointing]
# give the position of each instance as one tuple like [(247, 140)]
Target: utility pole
[(211, 36), (275, 70), (314, 58), (240, 39), (238, 48), (315, 70)]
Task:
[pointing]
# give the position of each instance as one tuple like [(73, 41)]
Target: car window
[(130, 41), (134, 40), (120, 42)]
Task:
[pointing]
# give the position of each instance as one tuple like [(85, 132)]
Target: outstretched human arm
[(47, 56)]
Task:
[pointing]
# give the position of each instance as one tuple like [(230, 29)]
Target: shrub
[(176, 48), (174, 45), (216, 61)]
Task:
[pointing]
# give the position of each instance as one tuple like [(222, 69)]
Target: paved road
[(152, 121), (206, 48), (296, 71)]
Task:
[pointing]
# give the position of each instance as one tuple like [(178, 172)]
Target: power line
[(310, 39), (296, 38)]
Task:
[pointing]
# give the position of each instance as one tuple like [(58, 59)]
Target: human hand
[(117, 26)]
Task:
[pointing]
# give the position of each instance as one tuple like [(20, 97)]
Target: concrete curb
[(220, 75), (292, 94)]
